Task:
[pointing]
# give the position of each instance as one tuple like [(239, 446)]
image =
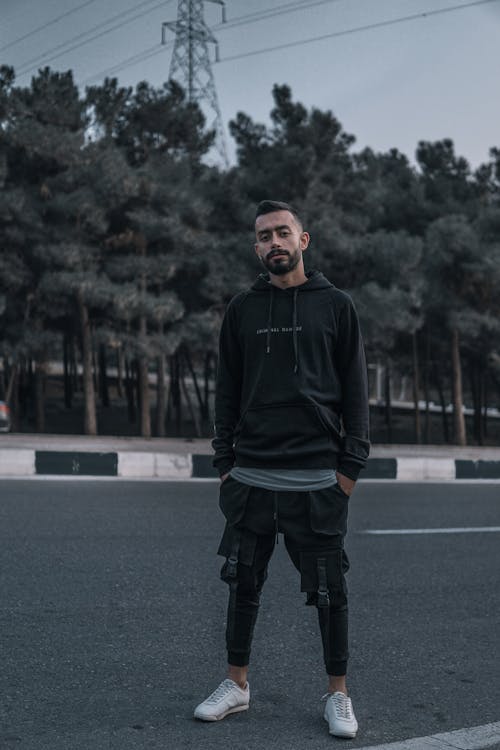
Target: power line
[(35, 62), (239, 21), (68, 47), (251, 18), (46, 25), (135, 59), (271, 12), (355, 30)]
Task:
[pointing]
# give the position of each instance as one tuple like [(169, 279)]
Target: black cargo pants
[(314, 525)]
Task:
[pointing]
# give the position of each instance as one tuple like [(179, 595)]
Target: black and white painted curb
[(24, 462)]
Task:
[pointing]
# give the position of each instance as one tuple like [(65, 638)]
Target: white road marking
[(104, 478), (451, 530), (97, 478), (385, 480), (474, 738)]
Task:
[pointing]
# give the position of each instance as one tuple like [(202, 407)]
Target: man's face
[(280, 241)]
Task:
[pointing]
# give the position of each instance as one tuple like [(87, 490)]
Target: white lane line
[(451, 530), (97, 478), (402, 484), (474, 738), (93, 477)]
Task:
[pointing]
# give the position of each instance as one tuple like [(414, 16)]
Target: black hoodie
[(291, 386)]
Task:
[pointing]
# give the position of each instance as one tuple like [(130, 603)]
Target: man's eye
[(284, 233)]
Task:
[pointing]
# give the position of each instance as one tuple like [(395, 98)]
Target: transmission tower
[(190, 65)]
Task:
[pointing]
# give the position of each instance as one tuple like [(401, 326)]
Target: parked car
[(4, 417)]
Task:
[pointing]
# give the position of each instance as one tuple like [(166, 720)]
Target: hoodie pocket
[(283, 431)]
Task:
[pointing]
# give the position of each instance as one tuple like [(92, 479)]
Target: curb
[(195, 465)]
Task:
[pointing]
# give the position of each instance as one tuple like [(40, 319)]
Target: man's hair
[(267, 207)]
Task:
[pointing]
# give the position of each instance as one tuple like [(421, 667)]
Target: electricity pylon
[(190, 65)]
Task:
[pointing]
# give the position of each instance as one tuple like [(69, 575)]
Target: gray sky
[(390, 86)]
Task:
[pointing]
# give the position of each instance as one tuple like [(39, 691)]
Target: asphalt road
[(112, 620)]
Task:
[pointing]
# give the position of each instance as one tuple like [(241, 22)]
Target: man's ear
[(304, 241)]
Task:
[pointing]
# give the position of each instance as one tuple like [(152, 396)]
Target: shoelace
[(343, 705), (220, 692)]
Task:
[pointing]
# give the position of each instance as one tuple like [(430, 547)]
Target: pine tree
[(41, 130)]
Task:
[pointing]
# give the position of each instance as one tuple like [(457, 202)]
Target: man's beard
[(283, 265)]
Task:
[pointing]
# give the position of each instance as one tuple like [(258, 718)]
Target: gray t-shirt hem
[(285, 480)]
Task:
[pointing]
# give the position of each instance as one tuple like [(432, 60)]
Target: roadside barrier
[(143, 464)]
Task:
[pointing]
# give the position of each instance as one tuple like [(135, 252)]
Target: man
[(291, 421)]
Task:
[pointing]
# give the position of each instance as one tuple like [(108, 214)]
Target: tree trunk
[(68, 381), (143, 381), (103, 376), (40, 374), (11, 384), (137, 389), (175, 392), (427, 366), (388, 403), (476, 384), (129, 391), (3, 386), (15, 407), (482, 402), (25, 388), (90, 414), (143, 364), (170, 406), (12, 396), (458, 406), (160, 395), (77, 382), (189, 362), (473, 388), (95, 372), (190, 406), (416, 388), (442, 401), (485, 402), (119, 372), (209, 357)]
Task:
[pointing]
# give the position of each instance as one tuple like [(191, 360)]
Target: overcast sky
[(391, 85)]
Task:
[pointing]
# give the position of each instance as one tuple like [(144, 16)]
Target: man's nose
[(275, 241)]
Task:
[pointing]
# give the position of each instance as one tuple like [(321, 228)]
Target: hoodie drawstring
[(269, 321), (294, 326), (294, 330)]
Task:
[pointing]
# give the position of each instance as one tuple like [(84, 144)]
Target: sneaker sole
[(346, 735), (234, 710)]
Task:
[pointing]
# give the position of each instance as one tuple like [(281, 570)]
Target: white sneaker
[(228, 698), (339, 715)]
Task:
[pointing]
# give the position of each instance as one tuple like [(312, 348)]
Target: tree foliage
[(120, 247)]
